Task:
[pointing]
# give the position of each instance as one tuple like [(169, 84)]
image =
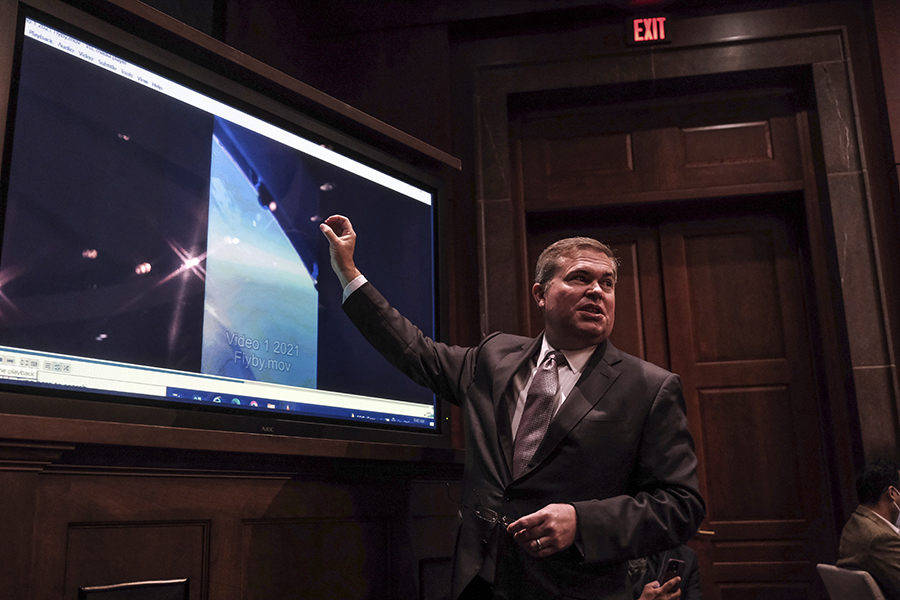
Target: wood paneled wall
[(239, 525)]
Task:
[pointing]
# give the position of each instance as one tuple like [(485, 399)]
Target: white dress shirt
[(568, 377)]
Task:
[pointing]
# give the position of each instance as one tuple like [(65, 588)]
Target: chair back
[(174, 589), (848, 584)]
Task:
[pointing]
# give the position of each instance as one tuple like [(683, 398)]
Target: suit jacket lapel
[(599, 374), (505, 371)]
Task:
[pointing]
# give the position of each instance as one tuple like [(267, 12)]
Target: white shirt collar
[(576, 359), (894, 527)]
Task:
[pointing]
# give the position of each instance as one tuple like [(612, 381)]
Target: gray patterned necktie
[(538, 411)]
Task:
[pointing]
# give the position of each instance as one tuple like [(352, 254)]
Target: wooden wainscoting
[(239, 525)]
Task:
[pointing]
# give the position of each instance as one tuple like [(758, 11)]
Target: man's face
[(894, 495), (579, 303)]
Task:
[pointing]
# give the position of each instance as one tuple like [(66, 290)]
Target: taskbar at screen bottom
[(299, 408)]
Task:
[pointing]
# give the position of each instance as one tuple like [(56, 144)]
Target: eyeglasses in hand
[(482, 512)]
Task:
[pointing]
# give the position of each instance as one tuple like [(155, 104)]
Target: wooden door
[(711, 286), (738, 336), (720, 302)]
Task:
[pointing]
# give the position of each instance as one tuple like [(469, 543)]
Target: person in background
[(870, 540), (645, 572), (577, 456)]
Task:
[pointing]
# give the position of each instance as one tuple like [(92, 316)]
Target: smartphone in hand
[(673, 568)]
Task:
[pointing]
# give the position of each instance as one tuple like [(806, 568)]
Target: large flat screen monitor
[(160, 247)]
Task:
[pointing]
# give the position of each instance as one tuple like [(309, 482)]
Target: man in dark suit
[(613, 478), (870, 540)]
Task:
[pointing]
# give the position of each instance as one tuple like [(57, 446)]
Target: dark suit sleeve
[(690, 587), (664, 508), (446, 370), (690, 582)]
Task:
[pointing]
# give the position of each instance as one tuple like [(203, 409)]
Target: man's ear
[(537, 290)]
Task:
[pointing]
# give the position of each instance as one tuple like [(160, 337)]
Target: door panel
[(586, 159), (738, 338)]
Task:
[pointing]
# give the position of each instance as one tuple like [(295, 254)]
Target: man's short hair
[(875, 479), (549, 260)]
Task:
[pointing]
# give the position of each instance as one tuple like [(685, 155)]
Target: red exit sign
[(646, 30)]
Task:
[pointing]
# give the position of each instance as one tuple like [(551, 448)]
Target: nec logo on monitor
[(648, 30)]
